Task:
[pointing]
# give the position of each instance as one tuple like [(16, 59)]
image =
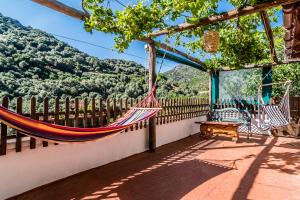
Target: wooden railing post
[(85, 110), (94, 122), (4, 130), (33, 116), (67, 111), (46, 115), (76, 114), (114, 109), (18, 134), (101, 112), (107, 110), (56, 112)]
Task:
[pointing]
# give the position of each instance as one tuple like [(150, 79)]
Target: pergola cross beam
[(222, 17), (63, 8), (269, 33)]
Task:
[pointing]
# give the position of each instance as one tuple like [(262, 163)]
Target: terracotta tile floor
[(259, 168)]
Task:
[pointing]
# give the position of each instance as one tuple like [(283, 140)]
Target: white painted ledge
[(29, 169)]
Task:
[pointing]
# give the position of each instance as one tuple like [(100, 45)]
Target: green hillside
[(185, 81), (33, 62)]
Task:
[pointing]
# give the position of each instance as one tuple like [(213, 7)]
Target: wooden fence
[(94, 113), (252, 106)]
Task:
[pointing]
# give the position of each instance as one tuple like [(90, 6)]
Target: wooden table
[(210, 128)]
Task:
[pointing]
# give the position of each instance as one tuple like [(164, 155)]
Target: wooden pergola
[(292, 43)]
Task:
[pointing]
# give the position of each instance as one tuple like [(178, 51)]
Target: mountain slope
[(33, 62), (185, 81)]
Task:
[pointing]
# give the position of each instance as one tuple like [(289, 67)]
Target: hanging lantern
[(211, 41)]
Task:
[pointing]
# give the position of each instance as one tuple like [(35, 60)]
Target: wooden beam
[(152, 78), (222, 17), (63, 8), (265, 19), (171, 49)]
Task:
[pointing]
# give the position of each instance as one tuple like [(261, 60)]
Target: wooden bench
[(210, 128)]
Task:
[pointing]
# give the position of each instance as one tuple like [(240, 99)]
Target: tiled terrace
[(192, 168)]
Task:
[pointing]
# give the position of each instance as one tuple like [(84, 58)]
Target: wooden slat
[(67, 111), (46, 115), (114, 109), (94, 121), (3, 144), (175, 109), (141, 123), (101, 112), (121, 106), (76, 114), (33, 116), (85, 113), (131, 104), (107, 110), (19, 135), (56, 112), (136, 125), (126, 109)]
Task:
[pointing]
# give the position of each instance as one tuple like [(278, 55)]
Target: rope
[(96, 45)]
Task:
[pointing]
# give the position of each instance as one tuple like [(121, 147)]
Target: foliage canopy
[(242, 40)]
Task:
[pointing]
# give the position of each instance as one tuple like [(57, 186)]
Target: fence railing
[(252, 105), (92, 113), (295, 107)]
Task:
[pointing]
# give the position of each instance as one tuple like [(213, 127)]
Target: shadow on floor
[(280, 160), (285, 162), (247, 181), (170, 173)]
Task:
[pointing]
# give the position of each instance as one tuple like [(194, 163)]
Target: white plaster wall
[(20, 172), (171, 132)]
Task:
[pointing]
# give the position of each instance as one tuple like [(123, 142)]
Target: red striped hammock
[(52, 132)]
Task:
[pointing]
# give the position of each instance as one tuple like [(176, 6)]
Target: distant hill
[(185, 81), (33, 62)]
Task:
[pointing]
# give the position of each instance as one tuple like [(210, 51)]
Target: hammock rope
[(142, 111)]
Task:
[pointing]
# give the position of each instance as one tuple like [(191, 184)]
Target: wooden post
[(19, 134), (33, 116), (3, 145), (101, 112), (76, 115), (94, 121), (67, 111), (152, 77), (107, 110), (85, 112), (267, 79), (46, 116), (56, 112)]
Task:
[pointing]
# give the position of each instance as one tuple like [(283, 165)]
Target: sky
[(50, 21)]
